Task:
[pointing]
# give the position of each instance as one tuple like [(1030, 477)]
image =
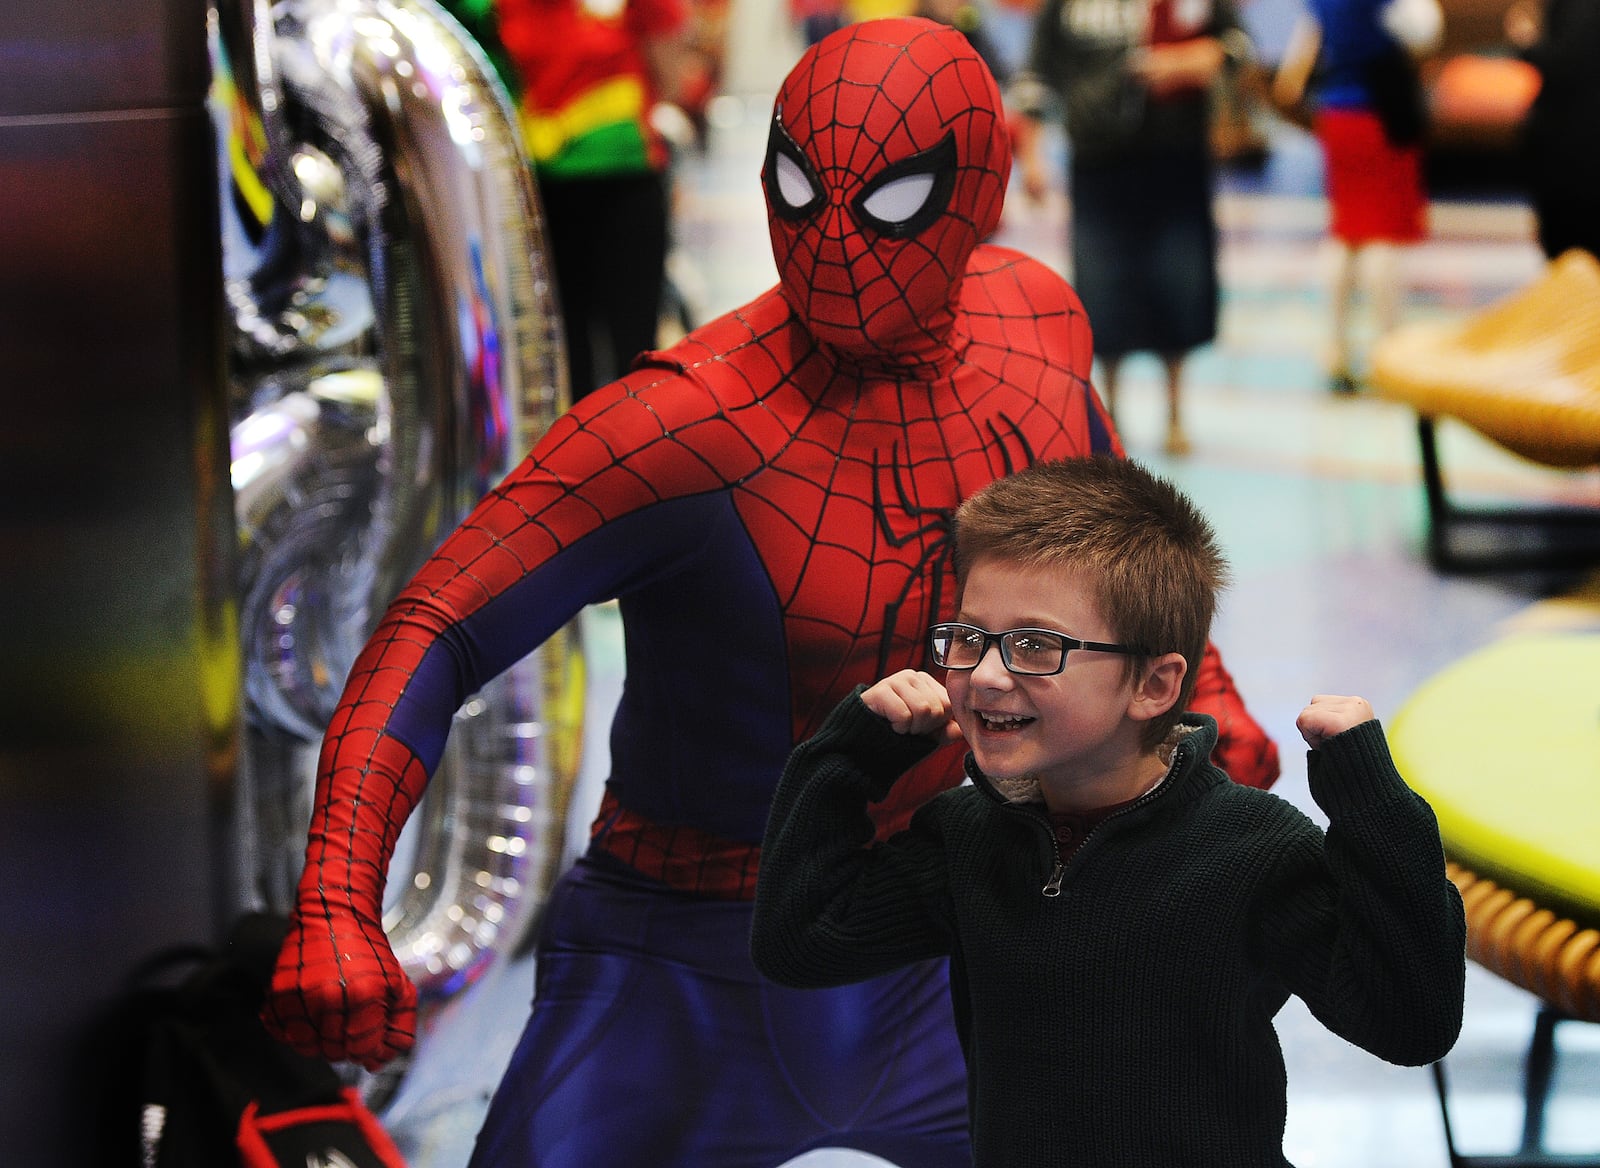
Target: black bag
[(193, 1080)]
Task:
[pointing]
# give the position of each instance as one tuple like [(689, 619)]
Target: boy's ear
[(1157, 690)]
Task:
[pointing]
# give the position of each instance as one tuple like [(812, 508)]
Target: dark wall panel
[(67, 58), (118, 686)]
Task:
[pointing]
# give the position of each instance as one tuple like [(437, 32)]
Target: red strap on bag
[(342, 1134)]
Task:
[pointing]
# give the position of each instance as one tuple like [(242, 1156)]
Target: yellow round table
[(1505, 746)]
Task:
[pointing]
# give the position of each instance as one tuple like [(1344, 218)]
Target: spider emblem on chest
[(903, 521)]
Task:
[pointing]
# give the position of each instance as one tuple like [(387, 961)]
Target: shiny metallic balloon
[(396, 349)]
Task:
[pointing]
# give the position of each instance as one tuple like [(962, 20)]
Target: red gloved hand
[(338, 991)]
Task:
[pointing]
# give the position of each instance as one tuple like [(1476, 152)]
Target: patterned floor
[(1318, 502)]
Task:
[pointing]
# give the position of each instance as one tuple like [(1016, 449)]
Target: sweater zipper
[(1058, 867), (1052, 886)]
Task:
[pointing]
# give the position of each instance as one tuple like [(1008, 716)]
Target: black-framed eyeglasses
[(1030, 652)]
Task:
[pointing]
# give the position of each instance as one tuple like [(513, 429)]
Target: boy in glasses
[(1122, 921)]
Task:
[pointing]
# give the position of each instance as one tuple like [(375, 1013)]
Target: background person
[(1560, 146), (1134, 81), (1355, 62), (587, 76)]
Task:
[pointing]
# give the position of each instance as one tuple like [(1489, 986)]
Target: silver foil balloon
[(396, 349)]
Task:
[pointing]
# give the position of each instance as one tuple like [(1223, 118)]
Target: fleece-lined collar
[(1025, 788)]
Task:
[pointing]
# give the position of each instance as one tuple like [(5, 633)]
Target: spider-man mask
[(886, 165)]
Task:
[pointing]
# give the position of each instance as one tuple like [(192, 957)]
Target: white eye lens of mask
[(897, 201), (793, 186)]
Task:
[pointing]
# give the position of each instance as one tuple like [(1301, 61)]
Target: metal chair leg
[(1538, 1072), (1553, 538)]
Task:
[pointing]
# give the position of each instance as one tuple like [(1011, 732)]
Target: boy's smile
[(1075, 732), (1003, 723)]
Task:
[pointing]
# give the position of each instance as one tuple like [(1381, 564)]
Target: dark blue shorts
[(654, 1041)]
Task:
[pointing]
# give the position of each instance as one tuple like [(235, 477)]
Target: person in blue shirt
[(1354, 61)]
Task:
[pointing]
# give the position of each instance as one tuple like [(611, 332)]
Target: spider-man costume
[(770, 502)]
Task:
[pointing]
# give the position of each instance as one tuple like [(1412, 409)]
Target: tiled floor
[(1318, 502)]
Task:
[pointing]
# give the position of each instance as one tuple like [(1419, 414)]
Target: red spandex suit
[(770, 503)]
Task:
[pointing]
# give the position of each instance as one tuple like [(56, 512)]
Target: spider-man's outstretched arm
[(548, 532)]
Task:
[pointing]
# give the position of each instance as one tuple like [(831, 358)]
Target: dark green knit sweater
[(1128, 1020)]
